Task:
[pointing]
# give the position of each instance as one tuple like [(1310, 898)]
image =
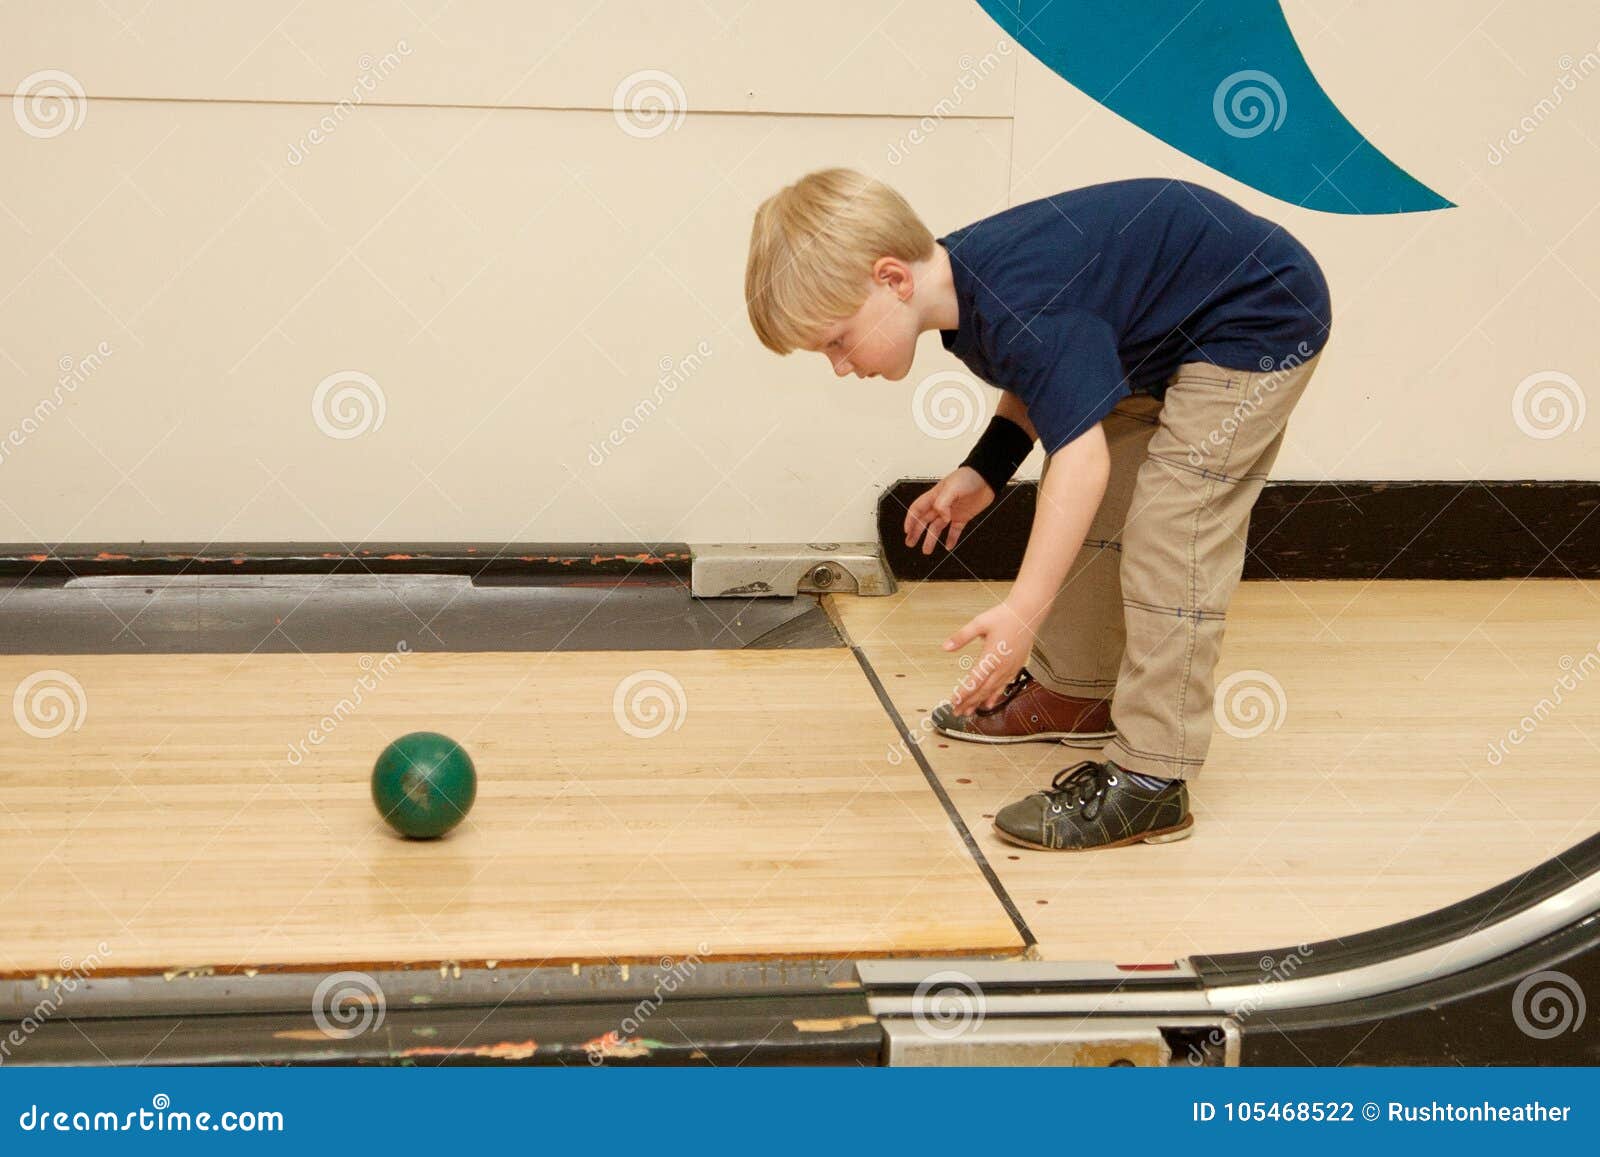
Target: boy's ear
[(895, 274)]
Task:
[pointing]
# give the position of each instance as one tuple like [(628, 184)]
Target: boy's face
[(880, 338)]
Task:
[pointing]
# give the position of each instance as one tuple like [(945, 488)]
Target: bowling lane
[(212, 811), (1353, 780)]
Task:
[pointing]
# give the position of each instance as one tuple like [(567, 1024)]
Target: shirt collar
[(964, 338)]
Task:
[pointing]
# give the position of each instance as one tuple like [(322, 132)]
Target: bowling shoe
[(1029, 711), (1095, 805)]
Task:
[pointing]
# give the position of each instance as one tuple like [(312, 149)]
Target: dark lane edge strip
[(1029, 940)]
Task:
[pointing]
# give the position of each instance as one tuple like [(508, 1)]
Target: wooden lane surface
[(171, 823), (1375, 797)]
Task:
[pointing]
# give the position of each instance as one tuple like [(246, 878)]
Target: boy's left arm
[(1068, 498)]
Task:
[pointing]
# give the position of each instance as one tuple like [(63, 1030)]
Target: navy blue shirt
[(1075, 301)]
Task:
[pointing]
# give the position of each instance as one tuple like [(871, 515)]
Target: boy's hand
[(1007, 641), (953, 501)]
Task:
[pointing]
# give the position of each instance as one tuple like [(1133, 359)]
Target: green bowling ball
[(423, 784)]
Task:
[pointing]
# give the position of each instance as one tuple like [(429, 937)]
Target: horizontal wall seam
[(607, 109)]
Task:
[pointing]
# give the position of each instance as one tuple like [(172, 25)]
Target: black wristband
[(1001, 449)]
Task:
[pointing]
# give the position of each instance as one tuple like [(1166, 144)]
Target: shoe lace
[(1009, 692), (1083, 786)]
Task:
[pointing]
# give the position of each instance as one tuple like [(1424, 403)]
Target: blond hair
[(812, 250)]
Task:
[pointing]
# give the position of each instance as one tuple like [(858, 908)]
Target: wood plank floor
[(1373, 800), (169, 822)]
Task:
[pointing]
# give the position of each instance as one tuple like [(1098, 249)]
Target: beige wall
[(515, 269)]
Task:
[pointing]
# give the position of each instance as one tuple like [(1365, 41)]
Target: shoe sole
[(1161, 836), (1069, 738)]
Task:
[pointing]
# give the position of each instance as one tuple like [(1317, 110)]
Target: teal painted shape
[(1225, 82)]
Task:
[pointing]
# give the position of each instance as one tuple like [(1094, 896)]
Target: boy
[(1154, 336)]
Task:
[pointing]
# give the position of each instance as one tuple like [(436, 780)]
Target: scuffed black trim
[(479, 559), (1322, 530)]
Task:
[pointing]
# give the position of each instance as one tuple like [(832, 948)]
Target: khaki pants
[(1144, 606)]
